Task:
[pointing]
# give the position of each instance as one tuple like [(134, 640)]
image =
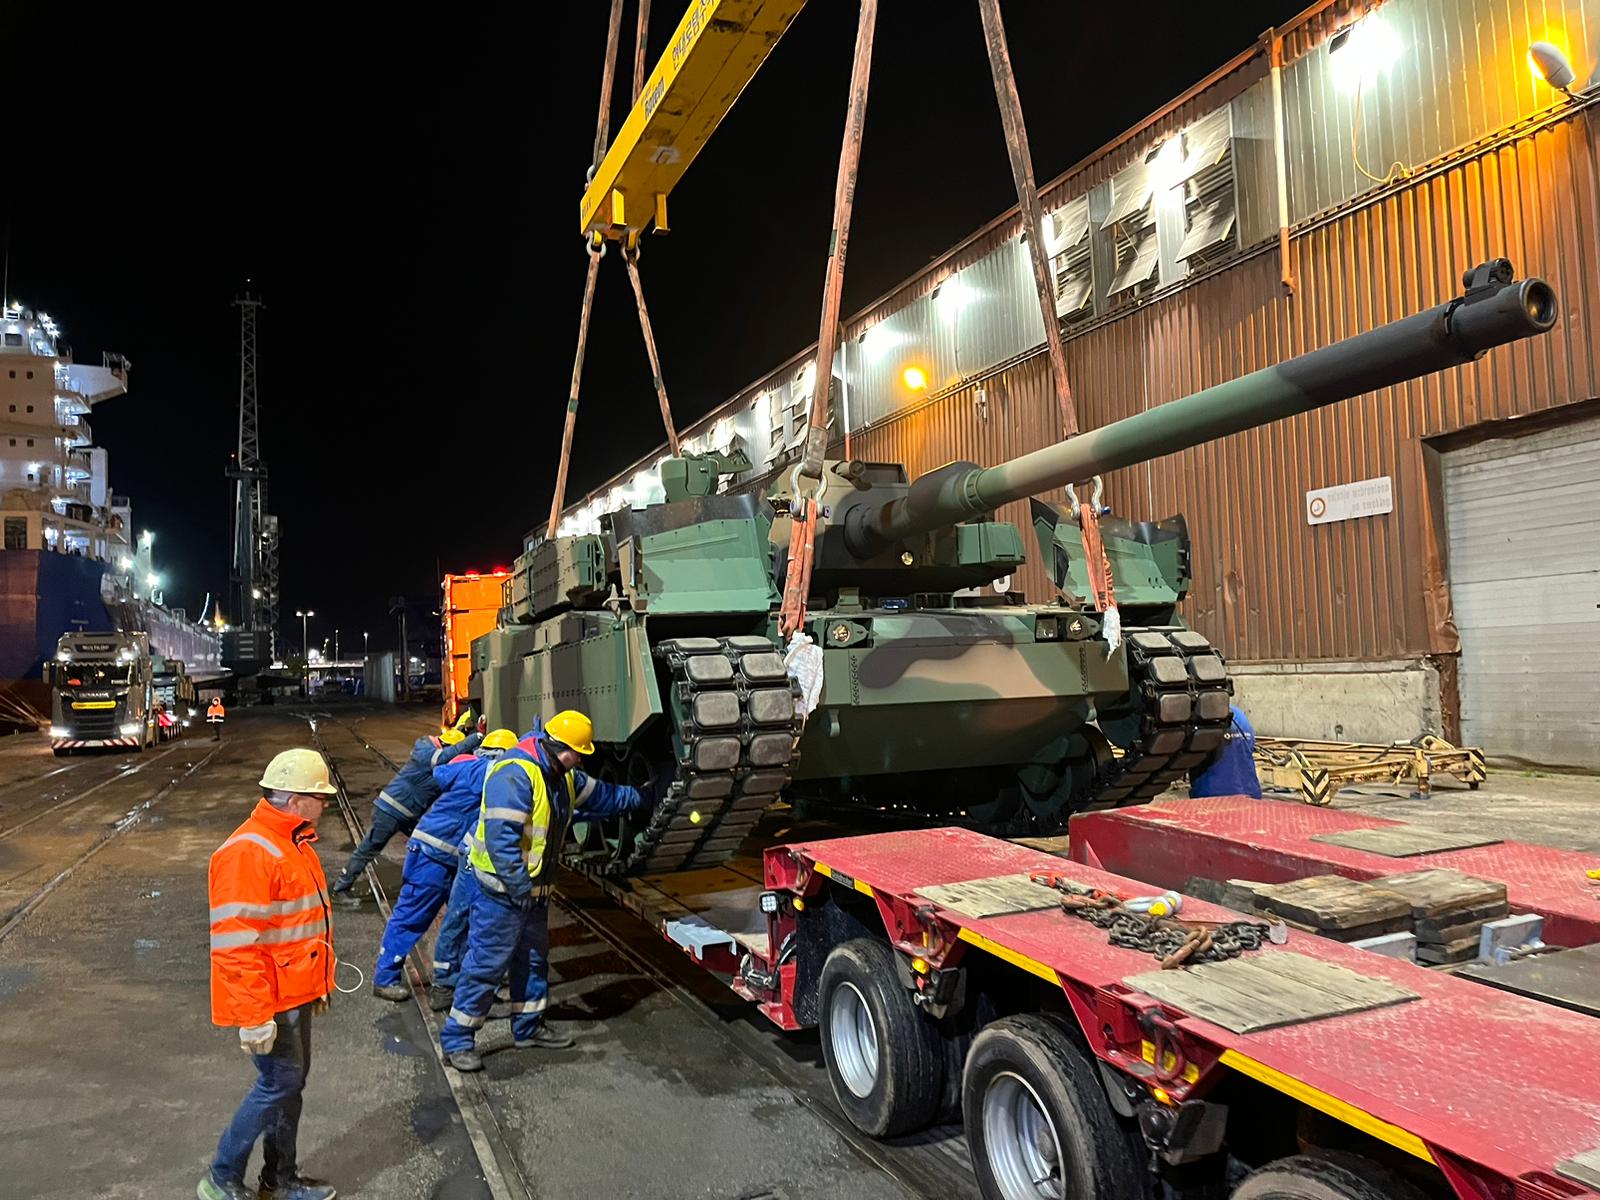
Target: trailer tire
[(885, 1058), (1034, 1104), (1326, 1176)]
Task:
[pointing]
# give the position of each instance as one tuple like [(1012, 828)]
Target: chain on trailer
[(736, 719)]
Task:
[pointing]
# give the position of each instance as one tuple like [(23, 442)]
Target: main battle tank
[(940, 698)]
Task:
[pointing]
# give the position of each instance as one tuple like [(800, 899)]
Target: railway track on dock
[(932, 1163), (47, 855), (502, 1172)]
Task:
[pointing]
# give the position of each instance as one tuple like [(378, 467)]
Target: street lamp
[(335, 643), (305, 649), (364, 636)]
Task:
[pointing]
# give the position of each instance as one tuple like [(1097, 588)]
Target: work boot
[(342, 894), (464, 1060), (210, 1189), (397, 992), (440, 999), (545, 1038), (298, 1188)]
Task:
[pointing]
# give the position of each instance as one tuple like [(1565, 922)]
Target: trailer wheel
[(1038, 1123), (1326, 1176), (885, 1058)]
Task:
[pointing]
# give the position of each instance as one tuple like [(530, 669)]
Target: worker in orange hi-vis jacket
[(272, 966), (215, 715)]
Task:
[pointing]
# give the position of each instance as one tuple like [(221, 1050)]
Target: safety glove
[(258, 1039)]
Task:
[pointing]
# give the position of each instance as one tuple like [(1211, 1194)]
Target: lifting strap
[(558, 500), (630, 259), (1005, 90), (802, 536), (639, 47), (1094, 555), (597, 248)]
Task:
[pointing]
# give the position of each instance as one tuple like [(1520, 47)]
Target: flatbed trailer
[(1234, 837), (1073, 1079)]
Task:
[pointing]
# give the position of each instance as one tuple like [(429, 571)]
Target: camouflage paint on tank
[(937, 689)]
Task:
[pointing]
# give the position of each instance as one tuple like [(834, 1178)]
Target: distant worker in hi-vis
[(215, 715)]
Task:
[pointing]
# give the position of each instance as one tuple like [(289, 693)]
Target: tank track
[(1182, 692), (736, 721)]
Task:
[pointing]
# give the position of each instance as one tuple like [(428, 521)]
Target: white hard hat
[(301, 771)]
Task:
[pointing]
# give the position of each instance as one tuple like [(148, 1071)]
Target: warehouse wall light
[(914, 379), (1360, 52), (1551, 65)]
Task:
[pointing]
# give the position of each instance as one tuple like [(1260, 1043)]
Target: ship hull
[(42, 596)]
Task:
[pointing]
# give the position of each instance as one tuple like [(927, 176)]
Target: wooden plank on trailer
[(1568, 978), (992, 897), (1267, 991), (1585, 1168), (1060, 846), (1438, 890), (1334, 902), (1403, 841), (1438, 929)]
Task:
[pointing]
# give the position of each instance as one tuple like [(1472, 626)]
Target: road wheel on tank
[(1038, 1124), (614, 835), (885, 1058), (1326, 1176)]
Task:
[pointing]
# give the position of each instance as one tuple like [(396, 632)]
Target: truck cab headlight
[(59, 734), (132, 728)]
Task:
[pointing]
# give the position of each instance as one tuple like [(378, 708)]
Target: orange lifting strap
[(597, 249)]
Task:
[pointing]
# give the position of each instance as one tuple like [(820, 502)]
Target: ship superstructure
[(70, 561)]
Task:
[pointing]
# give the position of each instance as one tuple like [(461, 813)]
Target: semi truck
[(102, 692)]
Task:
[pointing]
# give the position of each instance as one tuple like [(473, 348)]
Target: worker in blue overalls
[(1232, 770), (529, 797), (401, 803), (450, 947), (432, 857)]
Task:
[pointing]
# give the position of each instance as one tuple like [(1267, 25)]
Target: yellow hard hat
[(573, 730), (301, 771), (499, 739), (451, 736)]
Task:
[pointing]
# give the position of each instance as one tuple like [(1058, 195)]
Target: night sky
[(403, 194)]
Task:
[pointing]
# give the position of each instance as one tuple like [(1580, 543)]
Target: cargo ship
[(70, 561)]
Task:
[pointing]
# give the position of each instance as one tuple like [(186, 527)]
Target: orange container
[(470, 609)]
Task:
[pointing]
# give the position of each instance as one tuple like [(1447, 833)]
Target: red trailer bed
[(1500, 1091), (1235, 837)]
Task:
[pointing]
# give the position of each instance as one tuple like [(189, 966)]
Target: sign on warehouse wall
[(1346, 501)]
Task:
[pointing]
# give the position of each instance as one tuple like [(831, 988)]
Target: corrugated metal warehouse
[(1413, 140)]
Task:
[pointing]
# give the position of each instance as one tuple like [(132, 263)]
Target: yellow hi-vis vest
[(536, 823)]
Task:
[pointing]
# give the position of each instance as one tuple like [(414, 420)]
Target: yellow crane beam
[(715, 51)]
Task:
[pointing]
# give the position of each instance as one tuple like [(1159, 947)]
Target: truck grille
[(95, 724)]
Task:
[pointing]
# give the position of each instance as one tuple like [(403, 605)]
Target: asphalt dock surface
[(114, 1083)]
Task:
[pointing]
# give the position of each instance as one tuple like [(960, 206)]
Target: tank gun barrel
[(1494, 309)]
